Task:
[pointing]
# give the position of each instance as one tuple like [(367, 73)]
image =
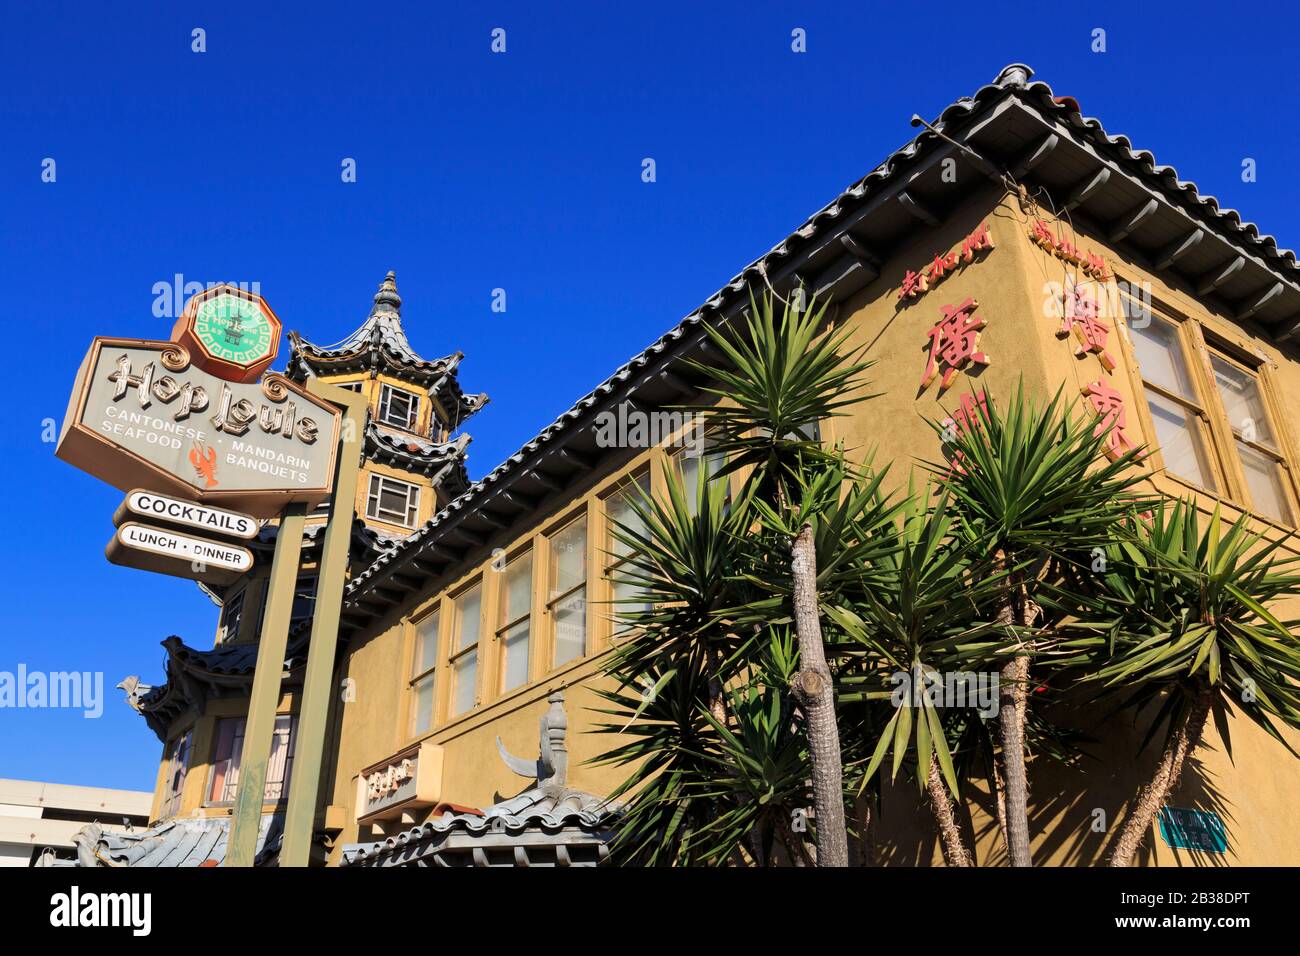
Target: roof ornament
[(387, 299), (134, 690), (551, 768), (1014, 74)]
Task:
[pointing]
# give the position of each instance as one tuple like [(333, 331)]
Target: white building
[(36, 817)]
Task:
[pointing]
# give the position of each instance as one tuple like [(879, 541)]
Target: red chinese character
[(1109, 404), (962, 422), (1067, 250), (1081, 319), (968, 415), (1042, 236), (976, 241), (954, 342), (942, 265), (1095, 266), (913, 285)]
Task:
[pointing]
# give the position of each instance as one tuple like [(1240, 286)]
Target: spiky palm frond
[(1179, 606)]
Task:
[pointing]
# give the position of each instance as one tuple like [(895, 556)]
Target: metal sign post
[(318, 682), (265, 697)]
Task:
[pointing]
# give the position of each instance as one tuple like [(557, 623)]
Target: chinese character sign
[(1109, 405), (916, 284), (1092, 334), (954, 344), (1091, 264)]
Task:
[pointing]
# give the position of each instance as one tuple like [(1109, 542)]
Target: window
[(567, 596), (393, 501), (1253, 439), (694, 465), (230, 749), (1177, 412), (350, 386), (178, 763), (1210, 416), (422, 673), (467, 611), (231, 613), (619, 512), (398, 407), (304, 599), (515, 630)]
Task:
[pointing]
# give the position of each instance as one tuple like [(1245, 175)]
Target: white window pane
[(519, 588), (570, 628), (1161, 356), (426, 640), (423, 705), (468, 607), (464, 677), (1267, 484), (1179, 441), (1243, 402), (622, 515), (514, 651), (569, 557), (628, 598)]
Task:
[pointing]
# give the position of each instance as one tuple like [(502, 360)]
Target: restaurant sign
[(152, 548), (150, 415)]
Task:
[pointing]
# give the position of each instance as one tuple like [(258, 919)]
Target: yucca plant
[(722, 579), (1032, 490), (918, 612), (1181, 621)]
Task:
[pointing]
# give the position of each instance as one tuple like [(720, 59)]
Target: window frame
[(1257, 371), (504, 626), (610, 564), (374, 493), (455, 653), (384, 407), (180, 748), (428, 675), (236, 757), (1200, 342), (236, 602), (552, 600)]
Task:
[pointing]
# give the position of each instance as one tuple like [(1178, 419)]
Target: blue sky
[(478, 171)]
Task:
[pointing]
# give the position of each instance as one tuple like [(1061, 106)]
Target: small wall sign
[(1187, 829)]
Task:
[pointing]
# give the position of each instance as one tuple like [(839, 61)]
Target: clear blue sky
[(477, 171)]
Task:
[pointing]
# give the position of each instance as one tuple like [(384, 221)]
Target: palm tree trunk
[(950, 837), (816, 696), (1012, 691), (1183, 739)]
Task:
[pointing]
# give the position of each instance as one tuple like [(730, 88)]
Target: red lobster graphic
[(205, 466)]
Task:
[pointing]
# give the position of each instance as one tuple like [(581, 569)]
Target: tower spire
[(387, 299)]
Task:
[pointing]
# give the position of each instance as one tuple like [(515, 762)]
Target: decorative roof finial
[(387, 299), (1014, 74)]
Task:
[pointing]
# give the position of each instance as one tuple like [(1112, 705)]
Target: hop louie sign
[(184, 418)]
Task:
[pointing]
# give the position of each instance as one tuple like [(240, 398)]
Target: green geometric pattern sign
[(233, 329)]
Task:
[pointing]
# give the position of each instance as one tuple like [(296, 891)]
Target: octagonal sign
[(230, 332)]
